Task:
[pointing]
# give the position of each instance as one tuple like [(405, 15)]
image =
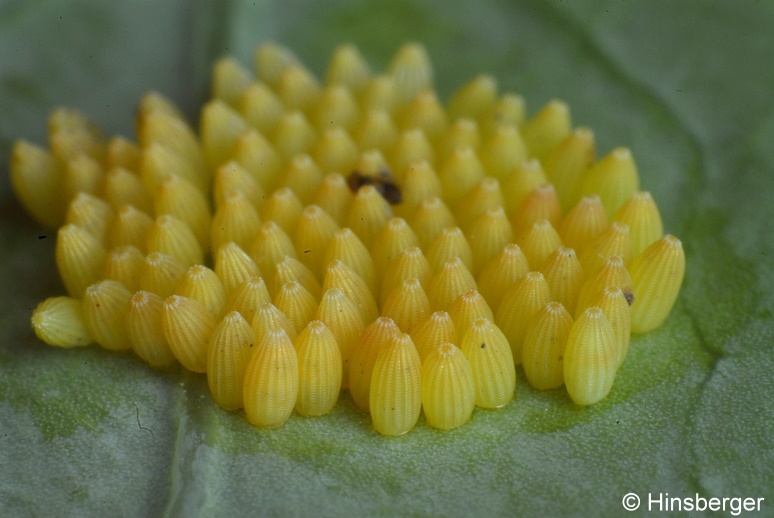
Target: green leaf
[(686, 85)]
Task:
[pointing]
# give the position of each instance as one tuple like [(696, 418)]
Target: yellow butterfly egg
[(290, 269), (419, 183), (256, 154), (485, 195), (590, 358), (376, 131), (379, 93), (435, 330), (129, 228), (303, 176), (539, 241), (584, 223), (188, 326), (294, 135), (270, 246), (146, 334), (319, 369), (568, 162), (229, 80), (394, 237), (235, 221), (410, 264), (429, 219), (104, 307), (541, 203), (220, 127), (260, 107), (450, 243), (547, 128), (407, 305), (91, 214), (520, 181), (337, 107), (233, 266), (170, 236), (451, 281), (124, 264), (474, 98), (157, 161), (122, 153), (519, 307), (368, 213), (348, 67), (124, 187), (343, 318), (656, 278), (271, 381), (503, 149), (616, 240), (395, 398), (507, 110), (79, 258), (60, 321), (268, 317), (160, 274), (36, 180), (271, 60), (501, 273), (494, 374), (298, 88), (487, 236), (641, 214), (412, 146), (231, 348), (613, 273), (346, 247), (248, 297), (376, 337), (468, 308), (314, 231), (462, 133), (459, 173), (448, 390), (177, 197), (339, 275), (202, 284), (411, 71), (614, 178), (564, 275), (231, 176), (334, 197), (82, 174), (296, 303), (544, 345), (284, 208), (614, 305)]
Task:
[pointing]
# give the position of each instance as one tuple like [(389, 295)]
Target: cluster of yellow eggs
[(353, 234)]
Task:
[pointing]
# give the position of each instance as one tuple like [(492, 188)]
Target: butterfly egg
[(539, 242), (188, 327), (564, 275), (520, 182), (79, 258), (144, 329), (346, 247), (124, 264), (544, 345), (656, 277), (231, 348), (91, 214), (248, 297), (129, 228), (174, 134), (82, 173), (590, 358), (614, 178), (123, 187), (541, 203), (336, 151), (613, 273), (81, 134), (507, 110), (616, 240), (411, 263), (436, 329), (36, 180), (448, 390), (260, 107), (487, 236), (459, 173), (220, 126), (314, 231), (567, 164), (407, 305), (154, 103), (461, 133), (343, 318), (485, 195), (395, 398), (419, 183), (178, 197), (256, 154), (468, 308), (268, 317), (519, 307), (202, 284), (298, 88), (160, 274), (271, 60), (412, 146), (501, 273), (494, 374), (411, 72), (229, 80), (123, 153), (156, 162), (271, 381), (303, 176), (294, 135), (104, 309), (290, 269), (448, 283), (376, 130), (547, 128), (474, 98), (339, 275), (334, 197), (394, 237), (284, 208), (426, 113), (613, 303), (168, 235), (233, 266), (449, 243), (376, 337), (641, 214), (348, 68), (270, 245), (429, 219), (319, 370), (584, 223), (60, 321), (379, 93), (235, 221), (233, 177), (368, 214), (296, 303), (503, 150)]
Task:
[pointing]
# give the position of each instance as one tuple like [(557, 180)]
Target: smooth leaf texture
[(687, 85)]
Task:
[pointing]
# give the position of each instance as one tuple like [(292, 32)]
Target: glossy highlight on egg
[(355, 233)]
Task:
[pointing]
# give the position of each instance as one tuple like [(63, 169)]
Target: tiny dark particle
[(483, 346), (384, 184), (629, 296), (307, 250), (42, 236)]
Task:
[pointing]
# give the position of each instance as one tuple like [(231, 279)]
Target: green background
[(686, 85)]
